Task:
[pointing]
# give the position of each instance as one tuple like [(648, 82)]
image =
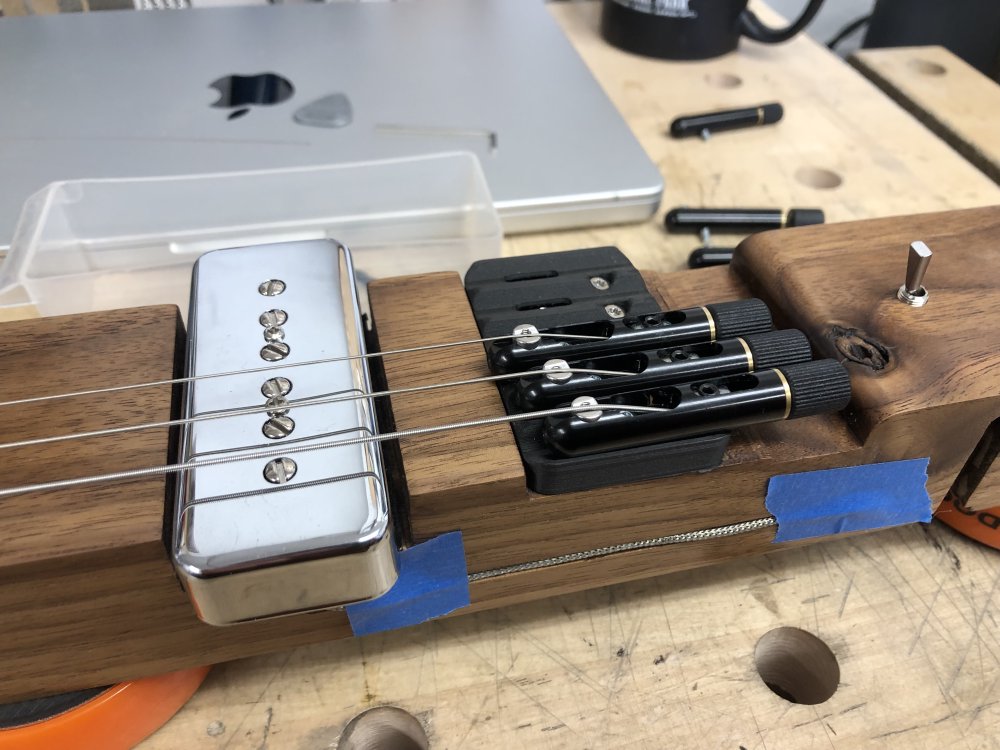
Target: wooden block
[(957, 102), (915, 372)]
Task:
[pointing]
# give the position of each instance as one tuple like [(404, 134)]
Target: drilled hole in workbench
[(797, 666), (384, 728), (724, 80), (927, 68), (819, 178)]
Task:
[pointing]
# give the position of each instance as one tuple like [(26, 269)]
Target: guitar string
[(287, 405), (283, 451), (289, 365)]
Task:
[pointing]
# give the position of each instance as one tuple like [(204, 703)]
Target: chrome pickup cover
[(253, 538)]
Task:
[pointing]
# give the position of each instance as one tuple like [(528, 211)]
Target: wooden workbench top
[(909, 614)]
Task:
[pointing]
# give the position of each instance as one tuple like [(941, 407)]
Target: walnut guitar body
[(87, 592)]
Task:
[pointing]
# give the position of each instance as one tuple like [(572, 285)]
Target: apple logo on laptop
[(240, 93)]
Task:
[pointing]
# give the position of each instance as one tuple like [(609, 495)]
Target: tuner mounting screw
[(277, 333), (600, 283), (555, 370), (271, 287), (912, 292), (587, 416), (614, 311), (526, 335), (273, 387), (280, 470), (278, 427), (273, 318), (274, 351)]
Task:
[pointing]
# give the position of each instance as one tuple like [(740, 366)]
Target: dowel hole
[(724, 80), (927, 68), (819, 178), (384, 728), (797, 666)]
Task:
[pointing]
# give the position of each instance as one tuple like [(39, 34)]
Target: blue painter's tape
[(433, 581), (854, 498)]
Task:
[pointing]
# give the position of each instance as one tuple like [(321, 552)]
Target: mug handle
[(753, 28)]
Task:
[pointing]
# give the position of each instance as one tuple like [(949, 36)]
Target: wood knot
[(859, 347)]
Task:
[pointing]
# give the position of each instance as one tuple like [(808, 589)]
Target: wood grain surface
[(945, 93), (914, 371)]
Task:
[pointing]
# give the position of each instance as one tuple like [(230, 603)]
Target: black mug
[(690, 29)]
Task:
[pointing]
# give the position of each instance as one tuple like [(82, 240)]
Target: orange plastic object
[(117, 719), (981, 525)]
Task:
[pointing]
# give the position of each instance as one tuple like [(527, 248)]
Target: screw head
[(555, 370), (600, 283), (614, 311), (278, 427), (277, 333), (587, 416), (277, 407), (280, 470), (271, 287), (274, 351), (526, 335), (272, 318), (273, 387), (707, 389)]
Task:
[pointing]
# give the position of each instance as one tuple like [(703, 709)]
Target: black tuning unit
[(659, 367), (702, 407), (703, 370), (677, 327)]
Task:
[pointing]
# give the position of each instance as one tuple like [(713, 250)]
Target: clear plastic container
[(85, 245)]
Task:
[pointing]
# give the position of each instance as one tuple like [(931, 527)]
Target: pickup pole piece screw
[(274, 387), (271, 287), (274, 351), (280, 470), (276, 333), (272, 318), (277, 406), (278, 427)]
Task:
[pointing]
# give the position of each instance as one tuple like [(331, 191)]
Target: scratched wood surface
[(944, 92), (909, 613)]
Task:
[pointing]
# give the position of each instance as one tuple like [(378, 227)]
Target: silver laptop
[(126, 94)]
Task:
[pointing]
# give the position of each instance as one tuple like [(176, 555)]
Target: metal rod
[(291, 450), (282, 366), (313, 401)]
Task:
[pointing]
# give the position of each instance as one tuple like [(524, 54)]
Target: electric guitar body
[(113, 580)]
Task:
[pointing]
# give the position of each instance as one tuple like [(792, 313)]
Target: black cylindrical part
[(672, 328), (705, 257), (660, 367), (738, 220), (777, 348), (740, 318), (728, 119), (703, 407), (817, 387)]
